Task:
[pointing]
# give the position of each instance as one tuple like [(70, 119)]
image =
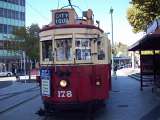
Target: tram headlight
[(63, 83), (98, 83)]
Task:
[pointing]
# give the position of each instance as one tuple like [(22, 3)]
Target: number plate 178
[(63, 94)]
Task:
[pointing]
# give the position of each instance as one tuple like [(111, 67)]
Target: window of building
[(23, 16), (16, 15), (1, 28), (5, 13), (23, 2), (9, 29), (12, 14), (83, 49), (17, 2), (63, 49), (47, 50), (5, 29), (1, 12)]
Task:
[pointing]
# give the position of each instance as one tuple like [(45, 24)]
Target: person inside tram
[(101, 55), (63, 50), (78, 54), (60, 51), (67, 48)]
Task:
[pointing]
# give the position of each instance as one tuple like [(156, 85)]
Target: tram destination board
[(45, 82), (61, 18)]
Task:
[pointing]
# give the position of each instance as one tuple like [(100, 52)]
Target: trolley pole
[(111, 12)]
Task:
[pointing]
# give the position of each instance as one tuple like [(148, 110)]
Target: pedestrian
[(115, 71), (17, 77)]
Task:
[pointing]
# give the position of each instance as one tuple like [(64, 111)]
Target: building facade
[(12, 16)]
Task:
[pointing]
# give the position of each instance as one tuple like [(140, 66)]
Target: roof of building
[(148, 42), (70, 26)]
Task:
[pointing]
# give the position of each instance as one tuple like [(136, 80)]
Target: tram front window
[(63, 49), (47, 50), (83, 49)]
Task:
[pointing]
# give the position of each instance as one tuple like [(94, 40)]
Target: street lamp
[(111, 12)]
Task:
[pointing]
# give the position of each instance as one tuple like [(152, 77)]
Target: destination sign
[(45, 82), (61, 18)]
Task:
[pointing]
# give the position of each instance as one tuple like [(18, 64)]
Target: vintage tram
[(75, 61)]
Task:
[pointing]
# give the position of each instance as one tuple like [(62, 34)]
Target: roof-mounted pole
[(70, 4)]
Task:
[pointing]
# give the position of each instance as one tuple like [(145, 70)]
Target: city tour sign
[(61, 18)]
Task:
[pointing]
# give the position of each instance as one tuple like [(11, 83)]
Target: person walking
[(115, 71)]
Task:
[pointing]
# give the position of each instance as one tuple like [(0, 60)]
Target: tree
[(121, 49), (142, 12), (27, 40)]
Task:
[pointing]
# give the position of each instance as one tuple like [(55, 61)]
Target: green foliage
[(142, 12), (121, 49), (27, 40)]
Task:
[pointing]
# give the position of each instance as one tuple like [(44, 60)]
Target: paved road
[(5, 83), (126, 102)]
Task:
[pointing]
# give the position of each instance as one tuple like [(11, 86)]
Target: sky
[(39, 12)]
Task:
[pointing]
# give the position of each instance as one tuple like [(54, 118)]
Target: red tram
[(75, 60)]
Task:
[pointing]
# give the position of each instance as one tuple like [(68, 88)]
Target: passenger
[(60, 52)]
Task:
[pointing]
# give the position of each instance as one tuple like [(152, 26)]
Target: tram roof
[(50, 27), (148, 42)]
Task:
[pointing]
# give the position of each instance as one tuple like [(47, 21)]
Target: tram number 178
[(63, 94)]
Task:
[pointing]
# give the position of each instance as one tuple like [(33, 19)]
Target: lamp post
[(111, 12)]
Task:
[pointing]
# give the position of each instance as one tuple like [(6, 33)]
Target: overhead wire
[(38, 12)]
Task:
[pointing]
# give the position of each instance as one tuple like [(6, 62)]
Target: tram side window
[(47, 50), (83, 49), (100, 50), (63, 49)]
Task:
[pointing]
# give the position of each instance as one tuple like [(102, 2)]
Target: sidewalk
[(14, 78), (127, 102), (126, 71)]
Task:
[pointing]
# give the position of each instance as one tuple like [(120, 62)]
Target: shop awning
[(148, 42)]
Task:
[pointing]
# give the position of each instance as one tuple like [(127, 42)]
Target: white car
[(6, 73)]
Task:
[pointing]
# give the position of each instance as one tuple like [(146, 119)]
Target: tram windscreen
[(63, 49), (83, 49), (47, 50)]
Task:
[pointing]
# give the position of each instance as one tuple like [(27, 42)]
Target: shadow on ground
[(80, 114)]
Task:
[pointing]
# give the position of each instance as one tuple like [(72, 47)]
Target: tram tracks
[(13, 100), (9, 95)]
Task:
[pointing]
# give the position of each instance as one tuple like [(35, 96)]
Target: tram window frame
[(101, 55), (47, 50), (83, 49), (62, 53)]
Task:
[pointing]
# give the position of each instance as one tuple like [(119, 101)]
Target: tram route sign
[(45, 82), (61, 18)]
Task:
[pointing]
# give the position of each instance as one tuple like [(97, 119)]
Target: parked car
[(6, 73)]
